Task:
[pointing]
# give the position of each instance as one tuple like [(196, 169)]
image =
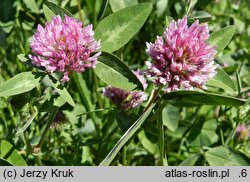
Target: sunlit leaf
[(207, 135), (221, 38), (23, 82), (190, 161), (129, 133), (222, 156), (198, 97), (26, 125), (111, 70), (62, 91), (32, 5), (222, 80), (201, 15), (170, 117), (50, 9), (117, 29), (9, 153), (118, 5)]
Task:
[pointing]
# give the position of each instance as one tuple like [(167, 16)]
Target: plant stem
[(38, 160), (160, 138), (12, 116), (124, 156), (221, 135), (50, 120), (94, 14), (26, 138), (155, 95), (131, 131), (161, 141), (80, 10)]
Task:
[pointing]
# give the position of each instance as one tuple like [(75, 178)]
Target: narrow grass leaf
[(129, 133), (26, 125), (239, 86)]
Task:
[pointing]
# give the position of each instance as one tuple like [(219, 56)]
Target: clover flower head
[(126, 100), (242, 132), (64, 46), (181, 57)]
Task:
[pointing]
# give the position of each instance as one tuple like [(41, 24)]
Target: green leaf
[(147, 144), (222, 80), (50, 9), (7, 26), (59, 101), (26, 125), (207, 135), (32, 5), (111, 70), (201, 15), (23, 57), (20, 83), (168, 20), (198, 97), (124, 120), (161, 7), (170, 117), (84, 91), (4, 162), (121, 4), (195, 130), (9, 153), (62, 91), (118, 28), (222, 156), (239, 86), (221, 38), (190, 161), (161, 141), (191, 6), (129, 133)]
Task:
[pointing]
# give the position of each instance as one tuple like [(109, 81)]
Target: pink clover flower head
[(140, 75), (242, 132), (126, 100), (64, 46), (181, 57)]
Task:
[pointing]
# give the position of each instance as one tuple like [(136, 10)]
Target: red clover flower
[(242, 132), (64, 46), (181, 57), (127, 100)]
